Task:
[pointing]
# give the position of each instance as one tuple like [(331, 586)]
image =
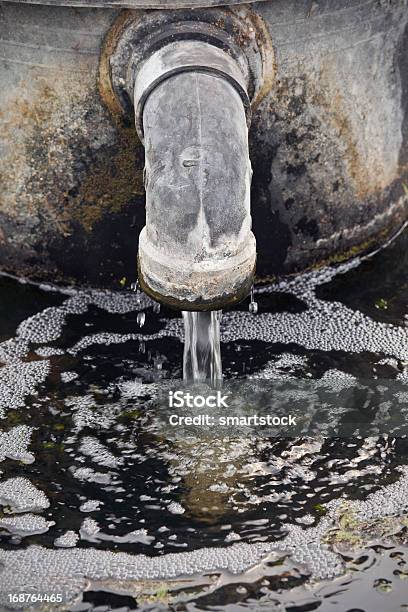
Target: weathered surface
[(329, 144), (197, 249), (71, 179), (135, 4)]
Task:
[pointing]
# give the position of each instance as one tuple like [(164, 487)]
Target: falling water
[(202, 352)]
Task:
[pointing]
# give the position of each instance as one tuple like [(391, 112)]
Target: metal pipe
[(197, 251)]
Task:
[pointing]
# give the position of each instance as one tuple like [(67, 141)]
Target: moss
[(161, 596), (383, 585), (111, 184), (131, 414), (359, 249), (49, 445), (13, 417), (352, 532), (381, 304)]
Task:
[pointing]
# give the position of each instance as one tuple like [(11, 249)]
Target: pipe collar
[(138, 35), (186, 56)]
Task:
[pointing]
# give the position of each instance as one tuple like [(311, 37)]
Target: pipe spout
[(197, 251)]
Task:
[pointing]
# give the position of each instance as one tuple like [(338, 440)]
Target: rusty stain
[(110, 43), (257, 25), (40, 173), (365, 173)]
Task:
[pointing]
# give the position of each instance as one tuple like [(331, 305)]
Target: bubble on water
[(326, 326), (403, 376), (17, 381), (89, 528), (86, 413), (134, 388), (25, 525), (14, 443), (337, 380), (37, 569), (91, 447), (47, 325), (91, 505), (301, 450), (20, 495), (284, 367), (390, 361), (232, 537), (175, 508), (87, 474), (13, 350), (120, 302), (307, 519), (49, 351), (218, 488), (68, 540), (68, 376), (44, 326), (107, 339), (92, 533), (306, 548), (402, 397), (391, 500)]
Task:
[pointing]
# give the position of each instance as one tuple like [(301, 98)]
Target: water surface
[(288, 524)]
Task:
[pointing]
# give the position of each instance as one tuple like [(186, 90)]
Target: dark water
[(77, 392)]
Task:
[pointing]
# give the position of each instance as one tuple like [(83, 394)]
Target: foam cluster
[(306, 548), (325, 326), (25, 525), (107, 338), (40, 570), (44, 326), (91, 447), (388, 501), (85, 413), (68, 376), (13, 350), (68, 539), (20, 495), (17, 381), (87, 474), (14, 444), (120, 302)]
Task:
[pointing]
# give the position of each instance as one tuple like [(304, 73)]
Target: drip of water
[(202, 351)]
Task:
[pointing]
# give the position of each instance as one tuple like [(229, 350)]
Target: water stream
[(202, 350)]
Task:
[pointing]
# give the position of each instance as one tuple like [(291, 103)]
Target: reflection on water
[(86, 470)]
